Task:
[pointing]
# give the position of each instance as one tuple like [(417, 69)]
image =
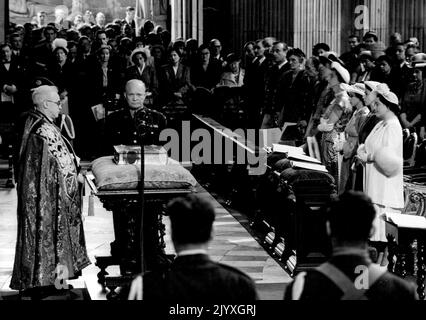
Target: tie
[(105, 77)]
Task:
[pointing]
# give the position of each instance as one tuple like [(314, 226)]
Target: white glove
[(324, 126), (362, 153)]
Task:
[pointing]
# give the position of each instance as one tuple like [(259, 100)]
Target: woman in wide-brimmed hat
[(383, 159), (145, 72), (334, 119), (234, 75), (356, 94)]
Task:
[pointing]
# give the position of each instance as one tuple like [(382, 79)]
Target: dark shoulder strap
[(342, 281), (336, 276)]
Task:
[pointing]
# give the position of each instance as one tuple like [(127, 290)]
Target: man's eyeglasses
[(58, 103)]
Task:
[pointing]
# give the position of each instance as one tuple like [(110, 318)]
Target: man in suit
[(293, 95), (130, 18), (41, 19), (43, 51), (216, 51), (350, 274), (350, 57), (254, 83), (271, 109), (18, 52), (10, 102), (193, 277), (401, 69), (10, 79), (100, 20)]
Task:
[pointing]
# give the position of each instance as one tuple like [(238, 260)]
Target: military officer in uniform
[(134, 122), (137, 125)]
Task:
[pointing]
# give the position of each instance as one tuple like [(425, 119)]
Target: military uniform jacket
[(121, 127)]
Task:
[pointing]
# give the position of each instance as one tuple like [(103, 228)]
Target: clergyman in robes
[(50, 228)]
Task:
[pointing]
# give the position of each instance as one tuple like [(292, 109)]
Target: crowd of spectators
[(91, 59), (355, 104)]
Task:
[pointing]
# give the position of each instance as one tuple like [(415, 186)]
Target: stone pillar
[(4, 11), (187, 19), (77, 7)]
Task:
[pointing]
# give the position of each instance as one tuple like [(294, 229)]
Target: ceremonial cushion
[(310, 177), (309, 183), (110, 176)]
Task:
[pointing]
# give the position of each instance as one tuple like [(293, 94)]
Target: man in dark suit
[(10, 79), (350, 274), (130, 18), (193, 277), (216, 51), (43, 52), (18, 52), (254, 83), (271, 109)]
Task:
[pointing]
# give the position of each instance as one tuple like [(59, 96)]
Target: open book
[(301, 157), (98, 112), (406, 220), (288, 149), (309, 166), (295, 153)]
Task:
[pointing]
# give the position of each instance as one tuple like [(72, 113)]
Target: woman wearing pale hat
[(356, 93), (383, 159), (369, 98), (234, 74), (144, 72), (334, 120), (365, 129), (368, 63)]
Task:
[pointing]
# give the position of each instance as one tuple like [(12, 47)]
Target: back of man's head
[(351, 217), (191, 219)]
